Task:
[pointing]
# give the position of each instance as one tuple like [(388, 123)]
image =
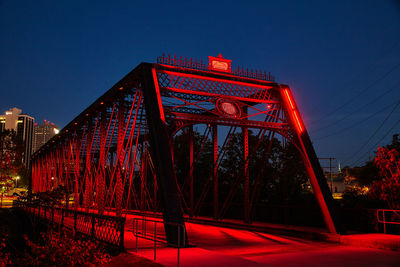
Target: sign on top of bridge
[(219, 64), (216, 64)]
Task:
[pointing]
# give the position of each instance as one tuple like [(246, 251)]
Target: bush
[(55, 249)]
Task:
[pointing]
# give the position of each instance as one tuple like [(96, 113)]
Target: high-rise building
[(22, 124), (43, 133)]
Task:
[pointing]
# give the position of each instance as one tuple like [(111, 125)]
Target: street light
[(16, 180)]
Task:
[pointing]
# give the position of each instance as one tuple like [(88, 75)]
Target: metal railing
[(104, 228), (142, 231), (389, 218), (190, 63)]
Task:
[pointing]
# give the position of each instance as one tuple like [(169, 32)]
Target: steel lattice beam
[(117, 154)]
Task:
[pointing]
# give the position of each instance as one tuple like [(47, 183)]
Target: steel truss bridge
[(117, 155)]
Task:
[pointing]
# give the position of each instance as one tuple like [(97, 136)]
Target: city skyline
[(341, 60), (22, 124), (29, 133)]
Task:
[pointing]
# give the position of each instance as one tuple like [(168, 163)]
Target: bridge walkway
[(213, 245)]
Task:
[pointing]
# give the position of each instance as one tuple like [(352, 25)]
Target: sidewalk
[(221, 246), (380, 241)]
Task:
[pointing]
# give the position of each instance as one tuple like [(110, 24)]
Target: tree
[(10, 159), (369, 173), (388, 189), (364, 175), (395, 143)]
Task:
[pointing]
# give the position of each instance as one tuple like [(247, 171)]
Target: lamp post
[(16, 180)]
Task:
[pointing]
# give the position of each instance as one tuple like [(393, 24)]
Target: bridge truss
[(117, 155)]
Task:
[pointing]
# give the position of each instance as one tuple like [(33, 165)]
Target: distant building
[(336, 183), (43, 133), (22, 124)]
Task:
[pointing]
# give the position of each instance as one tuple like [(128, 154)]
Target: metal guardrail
[(104, 228), (200, 65), (388, 219), (145, 233)]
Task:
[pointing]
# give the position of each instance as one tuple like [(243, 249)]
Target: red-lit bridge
[(120, 155)]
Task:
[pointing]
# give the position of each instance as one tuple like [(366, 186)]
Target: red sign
[(219, 64)]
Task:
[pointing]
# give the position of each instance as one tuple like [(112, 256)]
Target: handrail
[(144, 234), (97, 226), (384, 221)]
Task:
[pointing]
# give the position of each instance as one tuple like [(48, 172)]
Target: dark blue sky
[(341, 58)]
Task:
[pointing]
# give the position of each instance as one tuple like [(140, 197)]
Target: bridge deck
[(221, 246)]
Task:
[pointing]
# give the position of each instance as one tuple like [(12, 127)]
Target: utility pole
[(330, 170)]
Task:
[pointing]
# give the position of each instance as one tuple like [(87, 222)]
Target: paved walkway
[(213, 245), (219, 246)]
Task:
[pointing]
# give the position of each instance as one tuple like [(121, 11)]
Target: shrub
[(55, 249)]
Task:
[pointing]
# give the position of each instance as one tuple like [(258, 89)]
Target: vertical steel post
[(75, 222), (155, 193), (92, 228), (121, 233), (86, 197), (246, 187), (120, 157), (101, 192), (68, 171), (329, 208), (161, 153), (155, 240), (384, 222), (191, 171), (143, 177), (215, 169), (77, 151)]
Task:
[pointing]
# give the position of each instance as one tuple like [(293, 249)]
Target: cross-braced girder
[(118, 154)]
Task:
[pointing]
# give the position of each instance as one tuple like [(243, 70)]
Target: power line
[(374, 62), (376, 131), (388, 132), (356, 124), (365, 105), (361, 92)]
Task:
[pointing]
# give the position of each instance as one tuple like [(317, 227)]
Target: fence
[(140, 230), (391, 217), (104, 228)]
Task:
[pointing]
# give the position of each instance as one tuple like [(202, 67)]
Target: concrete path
[(219, 246)]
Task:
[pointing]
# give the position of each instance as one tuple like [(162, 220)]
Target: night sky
[(341, 58)]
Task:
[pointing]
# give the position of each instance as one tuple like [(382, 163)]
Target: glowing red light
[(289, 98), (297, 120), (269, 106), (293, 110)]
